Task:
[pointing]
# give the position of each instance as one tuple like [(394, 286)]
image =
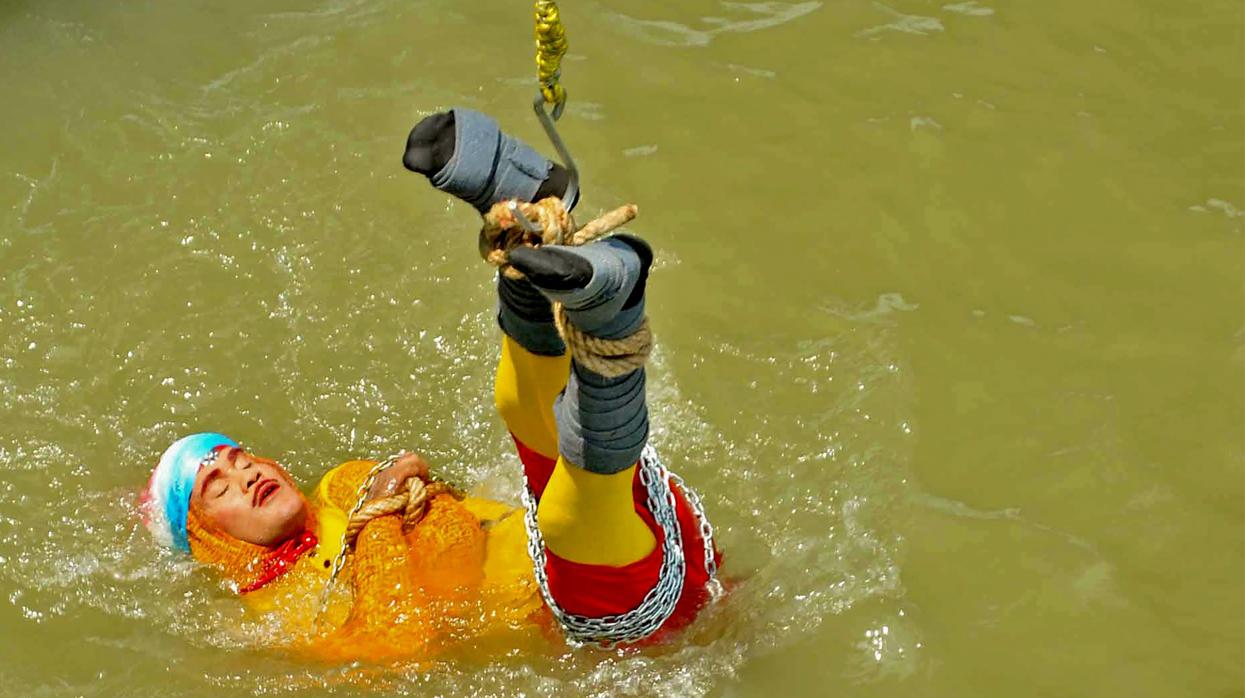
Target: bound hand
[(432, 144), (408, 465), (552, 268)]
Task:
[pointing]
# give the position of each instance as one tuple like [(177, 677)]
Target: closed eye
[(212, 479)]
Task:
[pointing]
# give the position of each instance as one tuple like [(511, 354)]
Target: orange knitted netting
[(413, 593), (239, 561)]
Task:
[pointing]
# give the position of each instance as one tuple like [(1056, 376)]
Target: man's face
[(252, 499)]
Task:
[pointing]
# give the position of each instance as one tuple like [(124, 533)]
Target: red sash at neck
[(282, 560)]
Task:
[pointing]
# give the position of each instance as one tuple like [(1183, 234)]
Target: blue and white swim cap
[(166, 501)]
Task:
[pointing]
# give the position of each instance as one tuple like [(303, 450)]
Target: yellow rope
[(550, 47)]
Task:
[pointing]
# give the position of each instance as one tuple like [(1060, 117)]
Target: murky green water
[(951, 311)]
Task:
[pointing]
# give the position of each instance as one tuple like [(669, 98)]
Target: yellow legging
[(584, 517)]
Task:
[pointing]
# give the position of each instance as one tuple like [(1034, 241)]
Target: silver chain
[(605, 631), (659, 603), (340, 561), (706, 536)]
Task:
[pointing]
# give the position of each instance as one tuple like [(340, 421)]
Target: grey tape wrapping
[(525, 314), (602, 422), (597, 308), (489, 166)]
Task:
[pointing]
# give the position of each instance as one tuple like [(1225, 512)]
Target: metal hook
[(524, 222), (546, 121)]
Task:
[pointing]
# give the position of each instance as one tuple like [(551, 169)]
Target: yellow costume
[(413, 593), (462, 575)]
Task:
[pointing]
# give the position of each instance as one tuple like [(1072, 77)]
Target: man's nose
[(244, 478)]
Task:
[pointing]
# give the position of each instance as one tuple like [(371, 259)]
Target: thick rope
[(503, 232), (412, 500), (610, 358)]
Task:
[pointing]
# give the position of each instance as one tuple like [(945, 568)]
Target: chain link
[(706, 536), (340, 561), (606, 631), (658, 605)]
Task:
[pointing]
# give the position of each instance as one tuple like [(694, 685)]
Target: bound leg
[(581, 463), (587, 510), (464, 153), (602, 558)]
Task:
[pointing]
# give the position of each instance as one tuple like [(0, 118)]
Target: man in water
[(617, 551)]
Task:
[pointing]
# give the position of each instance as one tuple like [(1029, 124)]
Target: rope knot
[(411, 499), (503, 231), (509, 224), (548, 223)]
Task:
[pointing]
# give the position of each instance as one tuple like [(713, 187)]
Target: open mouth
[(264, 491)]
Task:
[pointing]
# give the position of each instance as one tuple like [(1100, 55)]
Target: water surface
[(949, 302)]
